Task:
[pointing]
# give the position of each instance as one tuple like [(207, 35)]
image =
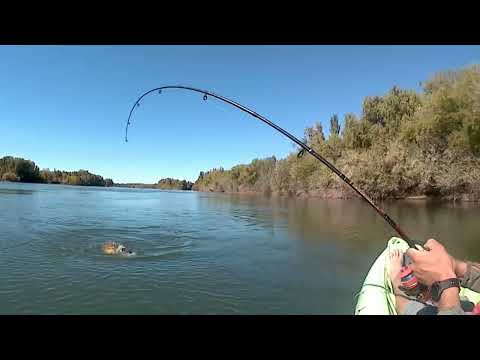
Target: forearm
[(469, 275), (449, 303)]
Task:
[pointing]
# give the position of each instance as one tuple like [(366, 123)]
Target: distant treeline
[(174, 184), (22, 170), (404, 143), (163, 184), (18, 169)]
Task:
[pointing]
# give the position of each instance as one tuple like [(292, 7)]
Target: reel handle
[(406, 259)]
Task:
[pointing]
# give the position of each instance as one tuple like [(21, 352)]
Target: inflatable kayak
[(376, 295)]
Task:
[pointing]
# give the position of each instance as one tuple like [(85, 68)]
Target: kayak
[(376, 295)]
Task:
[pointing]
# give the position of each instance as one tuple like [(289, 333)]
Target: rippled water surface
[(199, 253)]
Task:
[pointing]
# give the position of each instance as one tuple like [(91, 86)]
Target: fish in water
[(112, 248)]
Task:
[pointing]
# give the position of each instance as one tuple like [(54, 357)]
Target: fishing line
[(227, 111)]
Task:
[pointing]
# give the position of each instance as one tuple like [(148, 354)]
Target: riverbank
[(340, 195)]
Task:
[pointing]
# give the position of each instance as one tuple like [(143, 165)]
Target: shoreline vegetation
[(405, 145), (16, 169), (163, 184)]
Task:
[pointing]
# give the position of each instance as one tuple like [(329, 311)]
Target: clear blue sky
[(65, 107)]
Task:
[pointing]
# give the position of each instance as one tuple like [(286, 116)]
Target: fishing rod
[(305, 148)]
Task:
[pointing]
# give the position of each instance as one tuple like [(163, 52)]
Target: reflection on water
[(357, 226), (15, 192), (200, 253)]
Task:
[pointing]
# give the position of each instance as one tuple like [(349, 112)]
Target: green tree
[(356, 133)]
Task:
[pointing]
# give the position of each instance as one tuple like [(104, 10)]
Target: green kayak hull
[(376, 295)]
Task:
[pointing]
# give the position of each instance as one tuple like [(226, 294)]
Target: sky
[(66, 107)]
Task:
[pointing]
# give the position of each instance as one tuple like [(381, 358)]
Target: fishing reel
[(411, 287), (409, 282)]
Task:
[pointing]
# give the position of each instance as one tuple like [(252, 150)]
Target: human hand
[(432, 265)]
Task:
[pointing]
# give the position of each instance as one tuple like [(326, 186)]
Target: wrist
[(447, 274), (449, 298)]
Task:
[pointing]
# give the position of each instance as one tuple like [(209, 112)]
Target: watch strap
[(440, 286)]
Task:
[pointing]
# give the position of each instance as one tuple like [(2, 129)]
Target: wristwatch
[(439, 286)]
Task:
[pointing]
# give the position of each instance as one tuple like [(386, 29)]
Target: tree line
[(174, 184), (162, 184), (404, 143), (22, 170)]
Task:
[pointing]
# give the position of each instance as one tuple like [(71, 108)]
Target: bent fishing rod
[(305, 148)]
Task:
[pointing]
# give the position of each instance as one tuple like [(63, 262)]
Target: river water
[(200, 253)]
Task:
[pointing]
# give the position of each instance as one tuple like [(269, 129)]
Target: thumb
[(431, 244), (413, 253)]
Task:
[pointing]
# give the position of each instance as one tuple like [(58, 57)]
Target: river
[(200, 253)]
